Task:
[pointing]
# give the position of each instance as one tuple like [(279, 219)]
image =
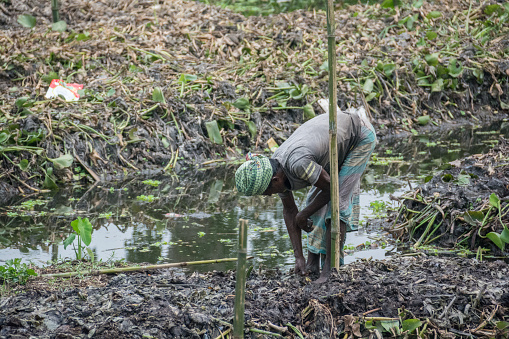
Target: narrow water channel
[(130, 219)]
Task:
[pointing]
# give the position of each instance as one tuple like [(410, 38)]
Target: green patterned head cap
[(253, 176)]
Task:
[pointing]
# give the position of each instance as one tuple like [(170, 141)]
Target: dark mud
[(454, 298)]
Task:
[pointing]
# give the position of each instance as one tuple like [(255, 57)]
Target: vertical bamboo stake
[(54, 10), (333, 137), (240, 285)]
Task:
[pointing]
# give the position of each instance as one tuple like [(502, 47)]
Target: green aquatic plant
[(106, 215), (153, 183), (378, 207), (146, 198), (30, 204), (499, 239), (83, 231), (15, 272)]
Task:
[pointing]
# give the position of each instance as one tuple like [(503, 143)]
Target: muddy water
[(130, 219)]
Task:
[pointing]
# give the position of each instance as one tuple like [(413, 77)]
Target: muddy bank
[(463, 207), (451, 298), (183, 83)]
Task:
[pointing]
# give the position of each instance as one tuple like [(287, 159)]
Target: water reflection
[(205, 210)]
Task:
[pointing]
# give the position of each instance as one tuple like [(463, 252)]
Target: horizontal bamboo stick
[(138, 268)]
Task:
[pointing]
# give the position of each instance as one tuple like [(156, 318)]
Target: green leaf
[(251, 126), (369, 325), (49, 77), (495, 237), (83, 36), (23, 164), (502, 325), (165, 142), (131, 133), (26, 20), (158, 96), (31, 272), (185, 78), (49, 182), (371, 96), (411, 20), (479, 74), (421, 42), (473, 217), (242, 103), (282, 84), (423, 120), (410, 325), (495, 8), (69, 240), (75, 225), (431, 59), (213, 132), (388, 4), (447, 177), (463, 180), (428, 178), (430, 35), (388, 69), (85, 231), (308, 111), (455, 68), (21, 102), (90, 254), (438, 85), (434, 15), (59, 26), (494, 200), (4, 137), (368, 86), (296, 94), (417, 3), (63, 162), (390, 324), (504, 236)]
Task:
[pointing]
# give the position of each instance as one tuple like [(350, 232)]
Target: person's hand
[(302, 222), (300, 266)]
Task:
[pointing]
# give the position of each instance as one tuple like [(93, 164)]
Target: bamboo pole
[(137, 268), (333, 131), (54, 10), (240, 285)]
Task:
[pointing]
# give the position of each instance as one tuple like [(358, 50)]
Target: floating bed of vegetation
[(464, 208), (168, 83)]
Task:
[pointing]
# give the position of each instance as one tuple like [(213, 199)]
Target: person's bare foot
[(324, 276), (313, 263)]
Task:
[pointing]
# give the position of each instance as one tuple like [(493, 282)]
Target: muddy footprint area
[(451, 297)]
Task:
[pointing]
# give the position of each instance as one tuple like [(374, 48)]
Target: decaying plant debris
[(184, 82), (445, 298), (464, 207)]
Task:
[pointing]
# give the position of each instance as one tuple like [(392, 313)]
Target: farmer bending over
[(303, 160)]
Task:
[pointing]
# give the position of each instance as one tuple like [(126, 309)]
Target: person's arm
[(290, 212), (322, 199)]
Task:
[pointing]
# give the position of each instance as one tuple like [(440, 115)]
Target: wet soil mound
[(181, 83), (463, 207), (450, 297)]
